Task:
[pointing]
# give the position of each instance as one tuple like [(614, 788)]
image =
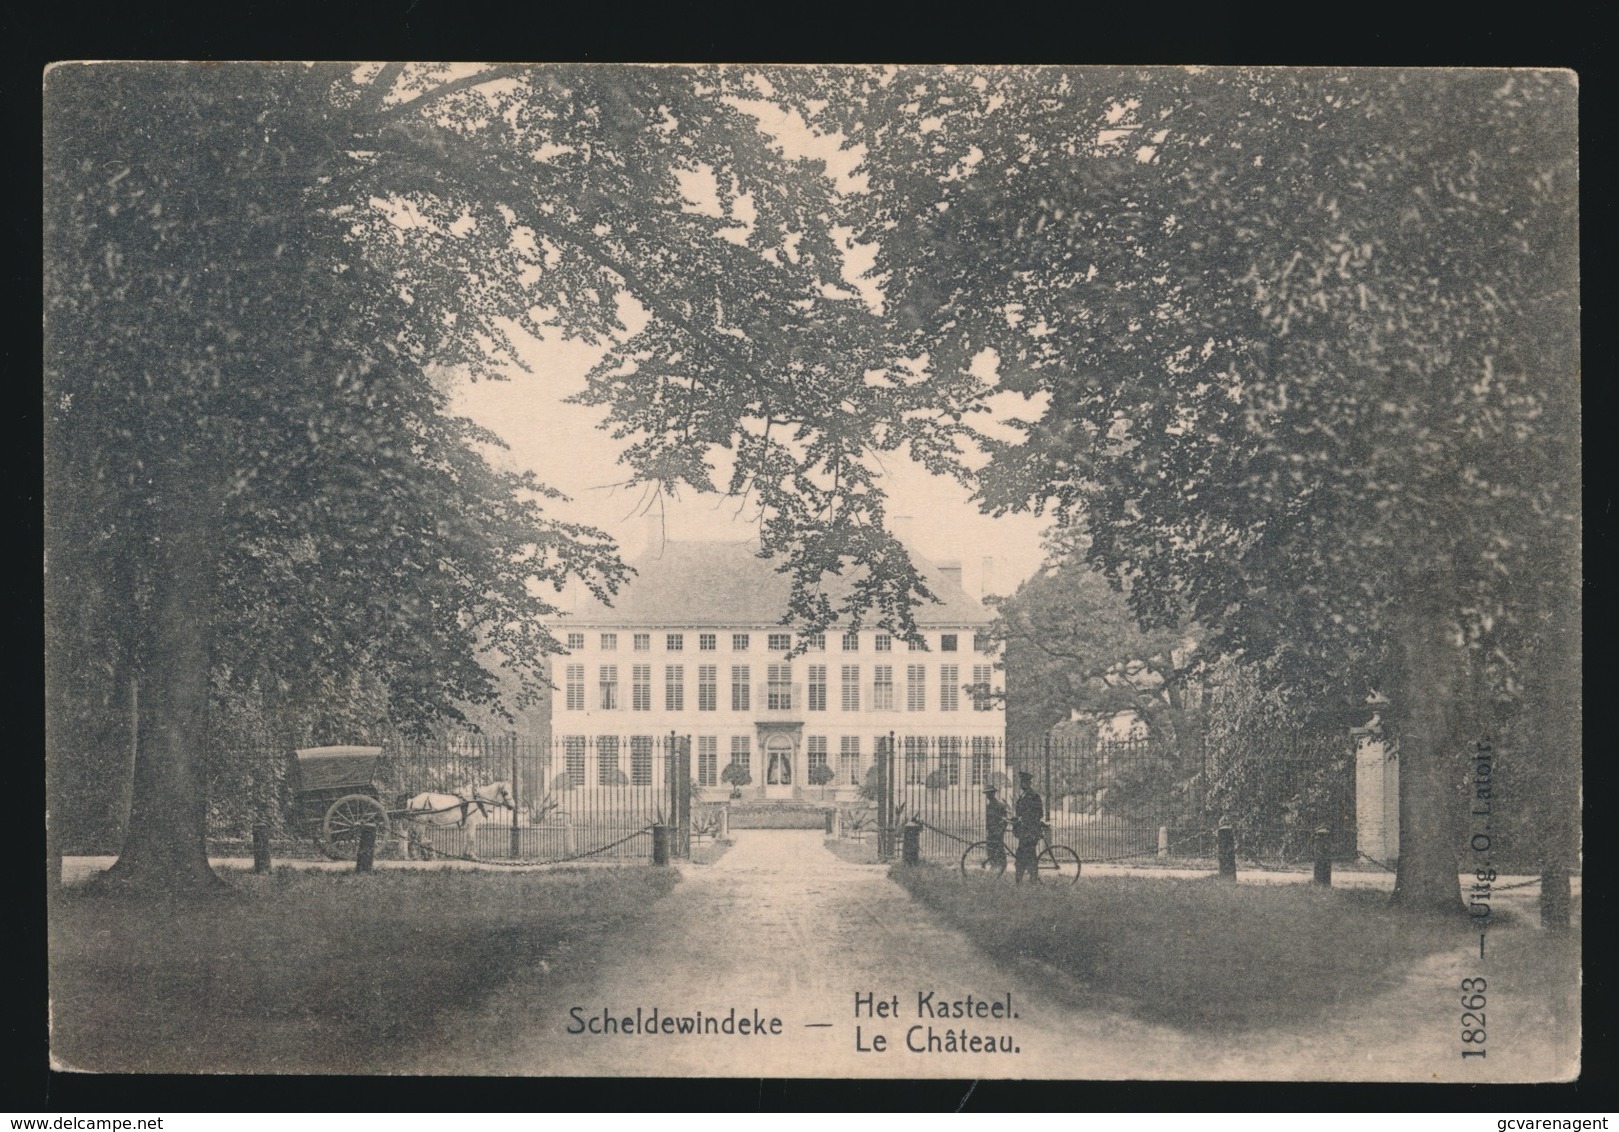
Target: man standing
[(996, 816), (1026, 825)]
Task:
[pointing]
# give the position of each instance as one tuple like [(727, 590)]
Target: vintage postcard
[(813, 571)]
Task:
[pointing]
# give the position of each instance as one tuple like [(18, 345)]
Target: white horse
[(465, 808), (488, 796), (429, 810)]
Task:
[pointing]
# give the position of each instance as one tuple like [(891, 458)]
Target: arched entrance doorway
[(780, 776)]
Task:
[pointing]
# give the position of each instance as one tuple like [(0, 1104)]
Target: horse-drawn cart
[(336, 796)]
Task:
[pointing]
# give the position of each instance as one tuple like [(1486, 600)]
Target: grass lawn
[(855, 852), (304, 972), (707, 852), (1198, 952)]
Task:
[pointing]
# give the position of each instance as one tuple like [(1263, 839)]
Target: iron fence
[(494, 798), (1113, 800), (599, 796)]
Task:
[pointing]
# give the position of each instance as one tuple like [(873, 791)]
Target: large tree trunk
[(1432, 760), (166, 847)]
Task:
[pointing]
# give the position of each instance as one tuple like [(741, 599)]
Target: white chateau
[(694, 646)]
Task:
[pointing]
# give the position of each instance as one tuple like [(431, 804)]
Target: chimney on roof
[(986, 576), (951, 572)]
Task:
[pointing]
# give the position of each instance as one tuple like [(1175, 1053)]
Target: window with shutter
[(817, 687)]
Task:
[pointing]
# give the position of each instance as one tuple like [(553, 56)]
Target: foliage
[(1142, 779), (1294, 351), (821, 775), (857, 820), (1072, 643), (259, 280), (225, 349), (1297, 352), (736, 774), (938, 779), (1273, 324), (1267, 775), (706, 821), (867, 790)]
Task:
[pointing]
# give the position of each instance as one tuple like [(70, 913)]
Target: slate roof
[(691, 584)]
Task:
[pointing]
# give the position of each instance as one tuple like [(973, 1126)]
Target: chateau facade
[(694, 647)]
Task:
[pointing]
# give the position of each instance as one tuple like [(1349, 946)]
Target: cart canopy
[(329, 768)]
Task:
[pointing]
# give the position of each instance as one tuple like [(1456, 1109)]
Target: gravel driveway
[(779, 928)]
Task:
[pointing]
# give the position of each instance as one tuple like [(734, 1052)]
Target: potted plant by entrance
[(736, 776)]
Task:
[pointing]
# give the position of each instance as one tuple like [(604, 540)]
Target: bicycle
[(1058, 861)]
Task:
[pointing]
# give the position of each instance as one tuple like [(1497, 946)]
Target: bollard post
[(1163, 841), (261, 848), (1323, 856), (368, 849), (724, 833), (831, 816), (911, 849), (660, 844), (1226, 846)]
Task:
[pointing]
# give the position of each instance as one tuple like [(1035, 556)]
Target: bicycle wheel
[(1060, 861), (977, 861)]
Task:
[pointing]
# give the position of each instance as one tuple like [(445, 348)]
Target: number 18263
[(1473, 1017)]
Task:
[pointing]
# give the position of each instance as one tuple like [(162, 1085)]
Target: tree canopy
[(1072, 643), (1297, 350), (255, 275), (1293, 349), (1296, 341)]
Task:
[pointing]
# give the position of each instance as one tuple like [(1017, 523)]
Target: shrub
[(735, 774), (820, 774), (705, 822), (938, 779), (856, 821)]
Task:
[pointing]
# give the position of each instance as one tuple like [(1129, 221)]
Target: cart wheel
[(1061, 860), (976, 861), (340, 832)]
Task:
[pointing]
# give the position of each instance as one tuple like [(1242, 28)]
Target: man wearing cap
[(996, 816), (1026, 825)]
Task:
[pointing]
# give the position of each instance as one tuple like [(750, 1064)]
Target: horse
[(431, 810), (488, 796)]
